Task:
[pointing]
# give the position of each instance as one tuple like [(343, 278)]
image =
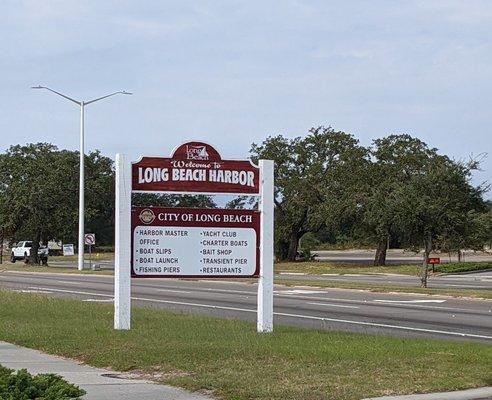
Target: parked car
[(22, 251)]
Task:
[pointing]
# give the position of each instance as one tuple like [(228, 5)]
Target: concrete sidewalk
[(92, 380)]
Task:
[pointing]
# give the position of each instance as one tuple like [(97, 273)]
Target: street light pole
[(81, 104), (80, 259)]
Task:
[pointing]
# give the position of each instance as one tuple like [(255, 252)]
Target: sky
[(234, 72)]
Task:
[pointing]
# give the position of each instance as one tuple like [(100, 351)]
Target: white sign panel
[(68, 250), (194, 251), (195, 242)]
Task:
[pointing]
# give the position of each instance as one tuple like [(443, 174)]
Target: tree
[(435, 206), (100, 196), (396, 159), (316, 183), (487, 225), (471, 232), (40, 195), (27, 180), (172, 200)]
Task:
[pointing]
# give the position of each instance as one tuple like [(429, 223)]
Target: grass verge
[(228, 358), (39, 268), (95, 257), (463, 267), (319, 267)]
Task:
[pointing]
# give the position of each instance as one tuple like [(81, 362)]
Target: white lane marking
[(374, 324), (469, 277), (410, 301), (70, 291), (292, 273), (99, 300), (371, 303), (253, 292), (173, 290), (470, 286), (32, 291), (298, 291), (70, 282), (332, 305)]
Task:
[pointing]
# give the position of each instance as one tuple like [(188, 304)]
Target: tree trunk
[(33, 257), (380, 258), (425, 266), (282, 246), (293, 245), (459, 255)]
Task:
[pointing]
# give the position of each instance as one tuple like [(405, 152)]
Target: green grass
[(98, 256), (318, 267), (463, 267), (21, 267), (95, 257), (228, 358)]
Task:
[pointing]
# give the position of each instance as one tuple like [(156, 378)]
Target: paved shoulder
[(100, 384)]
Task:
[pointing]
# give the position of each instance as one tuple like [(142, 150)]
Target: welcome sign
[(195, 167), (171, 242)]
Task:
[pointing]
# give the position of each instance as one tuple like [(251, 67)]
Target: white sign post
[(195, 167), (265, 284), (122, 288)]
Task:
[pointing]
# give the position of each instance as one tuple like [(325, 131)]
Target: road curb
[(470, 394), (466, 272)]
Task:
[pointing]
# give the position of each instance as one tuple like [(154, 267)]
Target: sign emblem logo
[(147, 216), (196, 152)]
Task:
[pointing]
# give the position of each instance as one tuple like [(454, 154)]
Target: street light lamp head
[(38, 87), (125, 92)]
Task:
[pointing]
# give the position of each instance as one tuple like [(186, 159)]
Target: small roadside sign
[(90, 239), (434, 260), (68, 250)]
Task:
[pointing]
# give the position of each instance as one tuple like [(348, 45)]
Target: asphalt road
[(330, 309), (478, 280)]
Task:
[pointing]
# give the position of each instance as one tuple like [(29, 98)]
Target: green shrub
[(23, 386), (463, 267)]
